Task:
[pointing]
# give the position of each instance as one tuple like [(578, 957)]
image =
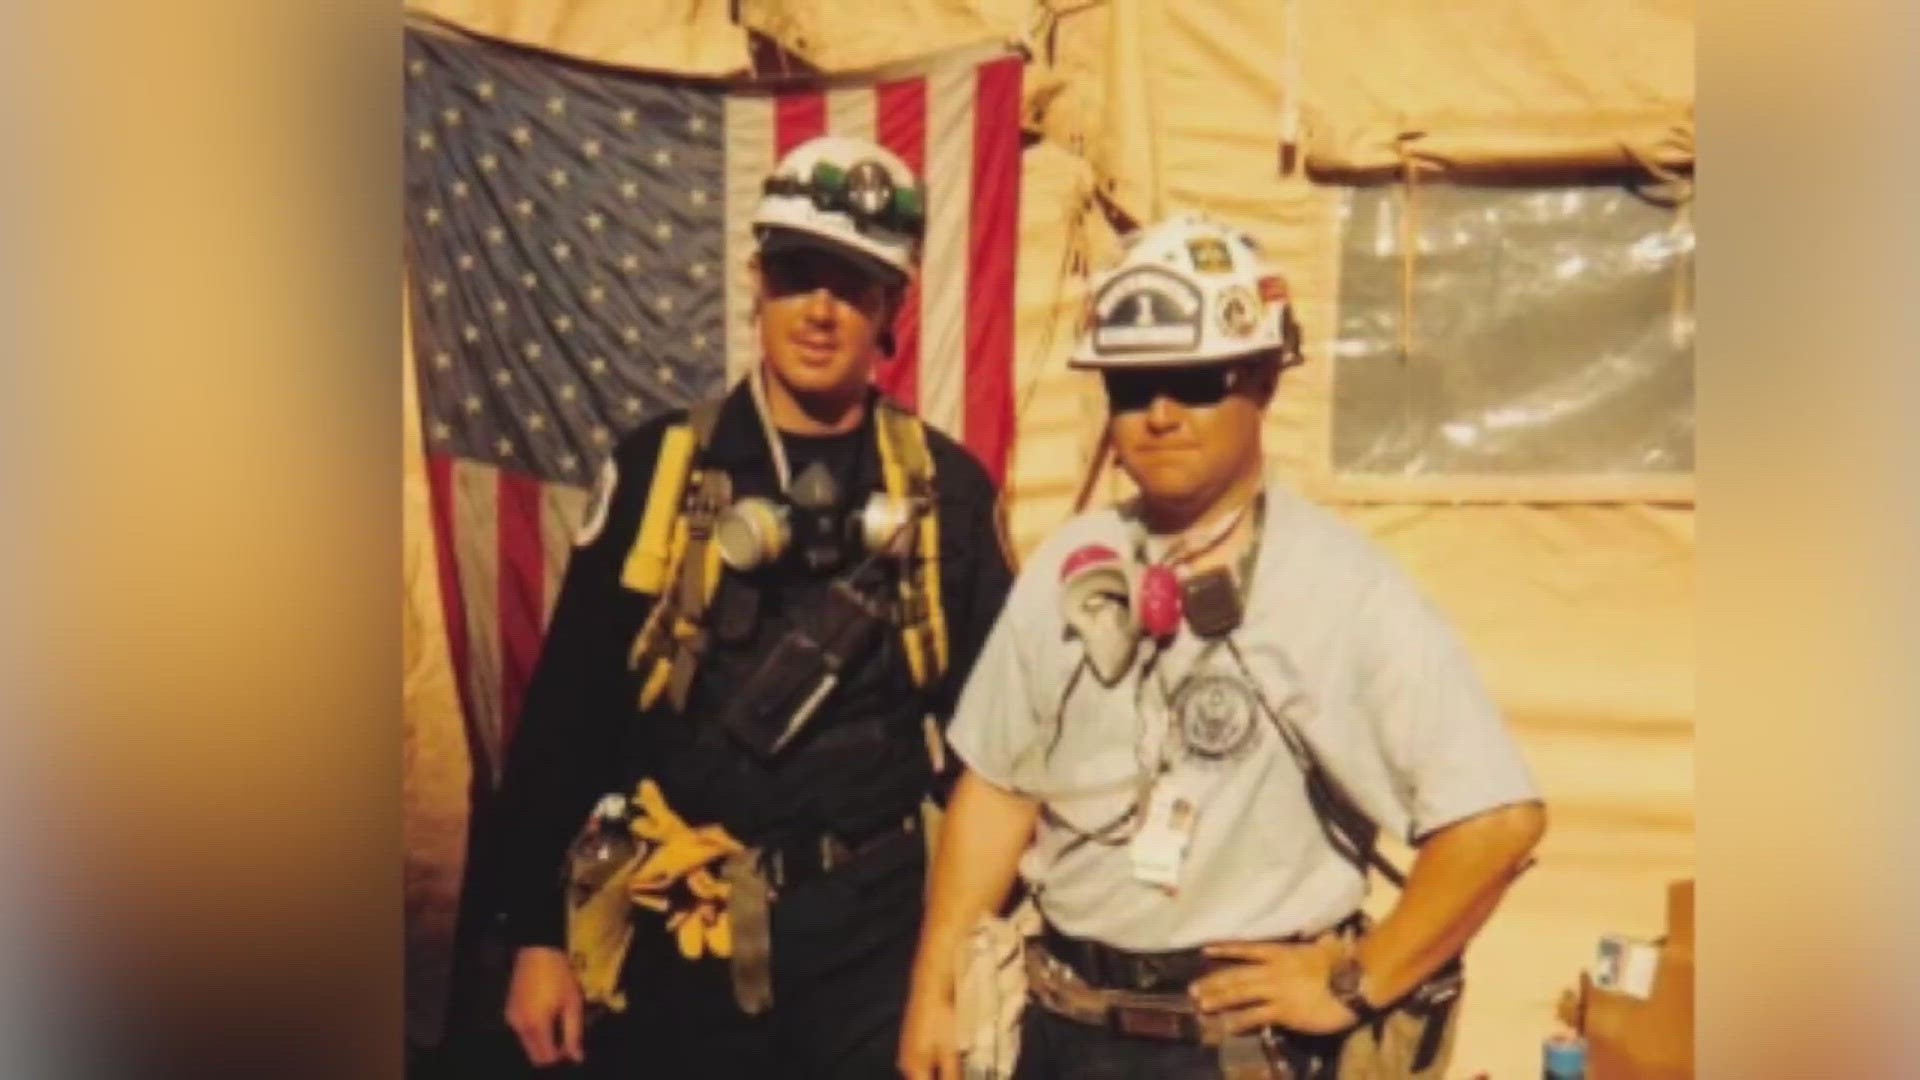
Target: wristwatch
[(1344, 983)]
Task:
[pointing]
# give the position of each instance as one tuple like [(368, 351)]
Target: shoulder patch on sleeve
[(596, 518)]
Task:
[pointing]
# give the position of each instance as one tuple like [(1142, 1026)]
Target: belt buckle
[(1148, 972), (1153, 1022)]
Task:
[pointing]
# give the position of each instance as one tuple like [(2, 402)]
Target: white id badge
[(1160, 846)]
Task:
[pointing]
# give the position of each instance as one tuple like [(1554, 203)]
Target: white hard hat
[(1189, 291), (846, 194)]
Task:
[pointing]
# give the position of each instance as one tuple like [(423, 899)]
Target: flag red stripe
[(995, 230), (798, 117), (902, 128), (522, 588), (453, 601)]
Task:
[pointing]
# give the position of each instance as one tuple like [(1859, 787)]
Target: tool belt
[(1169, 1015), (1102, 965), (798, 861), (1144, 995), (755, 879), (714, 893)]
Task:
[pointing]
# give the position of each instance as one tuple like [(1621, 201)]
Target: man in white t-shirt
[(1190, 722)]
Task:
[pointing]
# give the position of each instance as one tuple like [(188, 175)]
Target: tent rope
[(1412, 165)]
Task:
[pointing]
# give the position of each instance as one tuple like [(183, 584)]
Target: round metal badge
[(1216, 715), (1239, 312)]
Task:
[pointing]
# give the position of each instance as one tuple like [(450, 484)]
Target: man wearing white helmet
[(1191, 721), (764, 622)]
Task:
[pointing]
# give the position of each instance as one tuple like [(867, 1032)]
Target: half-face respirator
[(815, 522)]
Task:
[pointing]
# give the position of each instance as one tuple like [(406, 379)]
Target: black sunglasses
[(1194, 388), (793, 273)]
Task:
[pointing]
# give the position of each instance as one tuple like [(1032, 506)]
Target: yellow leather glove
[(681, 856)]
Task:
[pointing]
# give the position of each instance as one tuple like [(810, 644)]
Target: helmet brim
[(778, 239), (1123, 362)]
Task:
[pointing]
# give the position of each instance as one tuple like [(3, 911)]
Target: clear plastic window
[(1551, 333)]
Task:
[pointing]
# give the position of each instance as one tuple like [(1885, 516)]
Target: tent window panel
[(1552, 333)]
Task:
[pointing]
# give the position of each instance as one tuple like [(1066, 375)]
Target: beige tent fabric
[(1581, 620), (1509, 83), (858, 35), (1364, 86), (1058, 411), (436, 769), (684, 37), (1126, 149), (700, 38)]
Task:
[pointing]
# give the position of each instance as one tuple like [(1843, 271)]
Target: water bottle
[(604, 845), (1564, 1057)]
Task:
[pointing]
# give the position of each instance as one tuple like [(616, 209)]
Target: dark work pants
[(843, 948)]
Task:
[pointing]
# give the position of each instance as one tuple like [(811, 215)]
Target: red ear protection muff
[(1157, 605), (1155, 597)]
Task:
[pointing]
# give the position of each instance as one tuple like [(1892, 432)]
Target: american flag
[(577, 240)]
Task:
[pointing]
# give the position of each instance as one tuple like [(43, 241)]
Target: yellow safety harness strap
[(653, 554), (673, 558), (907, 469)]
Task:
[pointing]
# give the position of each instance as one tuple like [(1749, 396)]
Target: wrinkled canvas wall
[(689, 37), (1497, 82), (702, 38), (1576, 597)]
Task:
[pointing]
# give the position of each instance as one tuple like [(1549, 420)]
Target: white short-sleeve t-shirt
[(1335, 637)]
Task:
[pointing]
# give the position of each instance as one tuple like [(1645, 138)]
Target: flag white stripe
[(749, 120), (943, 295), (476, 545), (853, 112)]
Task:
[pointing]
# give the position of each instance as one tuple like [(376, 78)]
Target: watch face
[(1344, 985)]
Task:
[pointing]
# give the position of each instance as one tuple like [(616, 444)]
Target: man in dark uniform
[(821, 818)]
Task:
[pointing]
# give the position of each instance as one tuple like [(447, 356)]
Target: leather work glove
[(675, 879)]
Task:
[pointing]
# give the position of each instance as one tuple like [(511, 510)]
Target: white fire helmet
[(846, 194), (1188, 292)]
